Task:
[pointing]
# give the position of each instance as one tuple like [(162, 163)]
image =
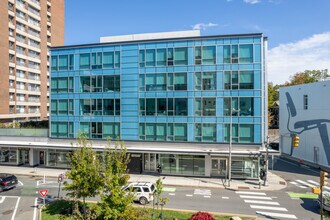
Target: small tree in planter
[(202, 216), (160, 201)]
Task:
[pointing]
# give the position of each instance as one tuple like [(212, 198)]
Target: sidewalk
[(274, 182)]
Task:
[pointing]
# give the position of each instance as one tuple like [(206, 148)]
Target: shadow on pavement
[(311, 205)]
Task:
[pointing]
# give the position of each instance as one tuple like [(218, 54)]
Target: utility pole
[(266, 163)]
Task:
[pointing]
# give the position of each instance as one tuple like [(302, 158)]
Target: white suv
[(143, 191)]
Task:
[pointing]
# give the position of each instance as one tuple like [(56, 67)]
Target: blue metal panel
[(198, 68), (150, 119), (209, 68), (181, 44), (161, 45), (219, 54), (129, 53), (150, 70), (97, 49), (129, 59), (142, 46), (257, 53), (257, 66), (248, 120), (257, 93), (129, 119), (234, 40), (179, 119), (219, 108), (257, 120), (219, 119), (191, 106), (191, 94), (226, 41), (150, 46), (130, 47), (161, 70), (234, 67), (257, 79), (130, 65), (190, 43), (208, 42), (170, 69), (219, 132), (257, 133), (209, 94), (219, 80), (191, 56), (198, 43), (245, 66), (246, 93), (180, 69), (161, 119), (227, 67), (190, 132), (209, 120), (170, 44), (108, 48), (220, 67), (245, 40), (190, 81), (257, 106), (257, 40)]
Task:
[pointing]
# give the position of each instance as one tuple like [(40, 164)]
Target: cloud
[(252, 2), (202, 26), (306, 54)]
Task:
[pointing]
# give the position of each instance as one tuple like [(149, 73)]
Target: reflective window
[(100, 130), (242, 106), (205, 55), (163, 106), (238, 80), (163, 57), (205, 80), (61, 129), (205, 132), (238, 53), (242, 133), (163, 131), (99, 106), (205, 106), (99, 83), (62, 85), (163, 82)]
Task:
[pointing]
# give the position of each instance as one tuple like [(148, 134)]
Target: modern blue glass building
[(171, 99)]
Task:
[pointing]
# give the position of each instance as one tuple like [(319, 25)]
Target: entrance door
[(219, 167), (42, 157), (150, 162)]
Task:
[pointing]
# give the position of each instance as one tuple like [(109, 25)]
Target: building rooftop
[(156, 37), (150, 36)]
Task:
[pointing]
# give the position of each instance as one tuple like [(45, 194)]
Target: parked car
[(7, 181), (143, 191), (326, 200)]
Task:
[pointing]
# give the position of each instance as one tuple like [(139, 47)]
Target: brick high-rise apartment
[(28, 29)]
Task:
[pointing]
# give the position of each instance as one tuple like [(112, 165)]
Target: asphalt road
[(290, 203)]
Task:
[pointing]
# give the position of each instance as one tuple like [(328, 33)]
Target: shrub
[(202, 216)]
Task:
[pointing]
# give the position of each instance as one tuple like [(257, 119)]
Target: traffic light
[(323, 178), (295, 141)]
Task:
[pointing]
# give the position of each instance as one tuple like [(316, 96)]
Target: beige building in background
[(28, 28)]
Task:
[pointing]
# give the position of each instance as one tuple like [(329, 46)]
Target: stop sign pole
[(60, 180)]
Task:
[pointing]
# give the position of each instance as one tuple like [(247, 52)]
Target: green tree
[(115, 202), (85, 175), (160, 201), (308, 76)]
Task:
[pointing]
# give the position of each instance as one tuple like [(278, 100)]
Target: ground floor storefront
[(182, 164)]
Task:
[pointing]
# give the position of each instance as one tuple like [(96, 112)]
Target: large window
[(242, 106), (99, 83), (164, 106), (100, 130), (242, 133), (62, 107), (62, 129), (163, 57), (163, 82), (205, 132), (62, 62), (182, 164), (205, 106), (238, 80), (62, 85), (238, 53), (205, 81), (163, 131), (205, 55), (99, 106), (99, 60)]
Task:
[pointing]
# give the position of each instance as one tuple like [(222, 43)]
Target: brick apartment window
[(305, 102)]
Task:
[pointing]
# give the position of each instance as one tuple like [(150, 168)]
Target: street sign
[(43, 192)]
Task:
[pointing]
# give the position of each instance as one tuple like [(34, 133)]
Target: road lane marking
[(206, 192), (14, 213), (303, 195), (169, 189), (250, 193), (313, 182), (225, 197), (2, 199), (272, 214), (269, 208), (256, 197), (35, 209), (303, 187), (207, 196), (189, 195), (304, 183), (294, 183), (171, 194), (20, 183), (261, 202)]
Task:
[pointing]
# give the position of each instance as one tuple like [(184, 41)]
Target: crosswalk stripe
[(326, 187), (225, 197), (273, 214), (250, 193), (294, 183), (303, 187), (261, 202), (256, 197), (189, 195), (313, 182), (207, 196), (171, 194), (269, 208), (304, 183)]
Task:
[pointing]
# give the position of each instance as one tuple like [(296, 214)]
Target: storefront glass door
[(150, 162), (219, 167)]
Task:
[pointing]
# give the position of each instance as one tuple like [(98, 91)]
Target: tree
[(273, 96), (160, 201), (85, 175), (308, 76), (115, 202)]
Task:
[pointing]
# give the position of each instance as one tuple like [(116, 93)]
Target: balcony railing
[(34, 45), (33, 33), (35, 2), (34, 11), (19, 39), (34, 67)]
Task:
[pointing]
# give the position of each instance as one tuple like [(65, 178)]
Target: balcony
[(33, 33)]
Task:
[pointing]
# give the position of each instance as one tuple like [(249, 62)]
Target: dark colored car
[(7, 181)]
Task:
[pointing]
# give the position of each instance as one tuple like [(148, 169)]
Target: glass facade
[(169, 90)]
